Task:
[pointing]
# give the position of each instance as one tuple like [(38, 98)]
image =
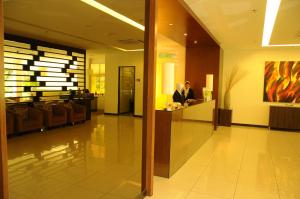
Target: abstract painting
[(282, 81)]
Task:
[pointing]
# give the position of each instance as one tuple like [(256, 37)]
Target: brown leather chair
[(76, 112), (9, 122), (55, 114), (27, 119)]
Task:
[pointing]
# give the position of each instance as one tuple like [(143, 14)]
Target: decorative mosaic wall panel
[(41, 69)]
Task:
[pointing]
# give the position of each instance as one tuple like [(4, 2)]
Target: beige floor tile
[(194, 195), (77, 192)]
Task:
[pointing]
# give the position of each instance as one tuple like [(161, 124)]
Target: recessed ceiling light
[(170, 24), (113, 13), (185, 34), (270, 18), (195, 42)]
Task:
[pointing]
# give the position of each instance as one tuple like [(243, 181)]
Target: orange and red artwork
[(282, 81)]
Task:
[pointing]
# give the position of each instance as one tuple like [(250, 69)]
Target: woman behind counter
[(178, 95)]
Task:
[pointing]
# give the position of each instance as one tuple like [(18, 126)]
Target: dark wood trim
[(3, 139), (149, 97), (140, 116), (250, 125), (116, 114)]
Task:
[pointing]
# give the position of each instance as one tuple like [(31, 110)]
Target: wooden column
[(149, 97), (3, 139)]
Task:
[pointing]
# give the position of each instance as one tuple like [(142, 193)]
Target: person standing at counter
[(178, 94), (188, 91)]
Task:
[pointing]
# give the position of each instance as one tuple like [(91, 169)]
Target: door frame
[(119, 87)]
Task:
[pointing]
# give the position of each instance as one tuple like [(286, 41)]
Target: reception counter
[(179, 134)]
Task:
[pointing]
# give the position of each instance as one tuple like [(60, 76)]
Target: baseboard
[(111, 113), (140, 116), (250, 125)]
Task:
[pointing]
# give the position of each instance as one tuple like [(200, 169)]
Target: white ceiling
[(74, 23), (239, 23)]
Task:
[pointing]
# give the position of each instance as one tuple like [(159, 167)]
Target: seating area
[(40, 116)]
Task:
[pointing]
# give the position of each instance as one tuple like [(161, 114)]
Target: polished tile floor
[(100, 159), (238, 163)]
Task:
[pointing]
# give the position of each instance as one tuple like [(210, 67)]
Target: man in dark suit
[(188, 91)]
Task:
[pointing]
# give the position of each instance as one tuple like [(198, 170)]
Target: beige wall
[(247, 96), (113, 60)]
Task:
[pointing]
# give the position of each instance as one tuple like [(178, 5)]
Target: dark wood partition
[(149, 97), (176, 22), (199, 62), (3, 143)]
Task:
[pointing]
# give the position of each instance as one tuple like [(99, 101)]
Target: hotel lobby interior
[(162, 99)]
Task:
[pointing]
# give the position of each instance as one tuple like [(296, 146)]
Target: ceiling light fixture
[(270, 18), (170, 24), (113, 13), (185, 34), (125, 50)]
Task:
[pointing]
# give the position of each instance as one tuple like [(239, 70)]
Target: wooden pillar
[(3, 139), (149, 97)]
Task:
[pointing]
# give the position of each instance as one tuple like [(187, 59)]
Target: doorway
[(126, 92)]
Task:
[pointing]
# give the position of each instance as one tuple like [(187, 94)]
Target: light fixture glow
[(113, 13), (125, 50), (270, 18)]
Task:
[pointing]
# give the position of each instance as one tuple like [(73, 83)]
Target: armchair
[(9, 122), (27, 119), (55, 114), (76, 113)]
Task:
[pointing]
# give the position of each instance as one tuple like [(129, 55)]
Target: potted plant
[(225, 114)]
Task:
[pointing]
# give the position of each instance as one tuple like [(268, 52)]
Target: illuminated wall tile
[(19, 56), (54, 55), (44, 88), (13, 83), (58, 93), (20, 94), (78, 63), (72, 88), (51, 79), (18, 72), (44, 69), (20, 50), (16, 78), (77, 55), (13, 66), (77, 67), (14, 61), (16, 44), (14, 89), (51, 50), (59, 83), (75, 71), (79, 75), (80, 59), (50, 98), (39, 68), (49, 74), (56, 65), (47, 59), (77, 80)]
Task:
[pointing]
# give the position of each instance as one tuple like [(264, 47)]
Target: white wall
[(113, 60), (247, 96)]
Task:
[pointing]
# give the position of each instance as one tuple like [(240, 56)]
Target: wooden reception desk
[(179, 134)]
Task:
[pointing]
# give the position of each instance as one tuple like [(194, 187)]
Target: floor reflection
[(98, 159)]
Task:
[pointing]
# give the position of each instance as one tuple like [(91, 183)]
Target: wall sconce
[(207, 91), (168, 78)]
